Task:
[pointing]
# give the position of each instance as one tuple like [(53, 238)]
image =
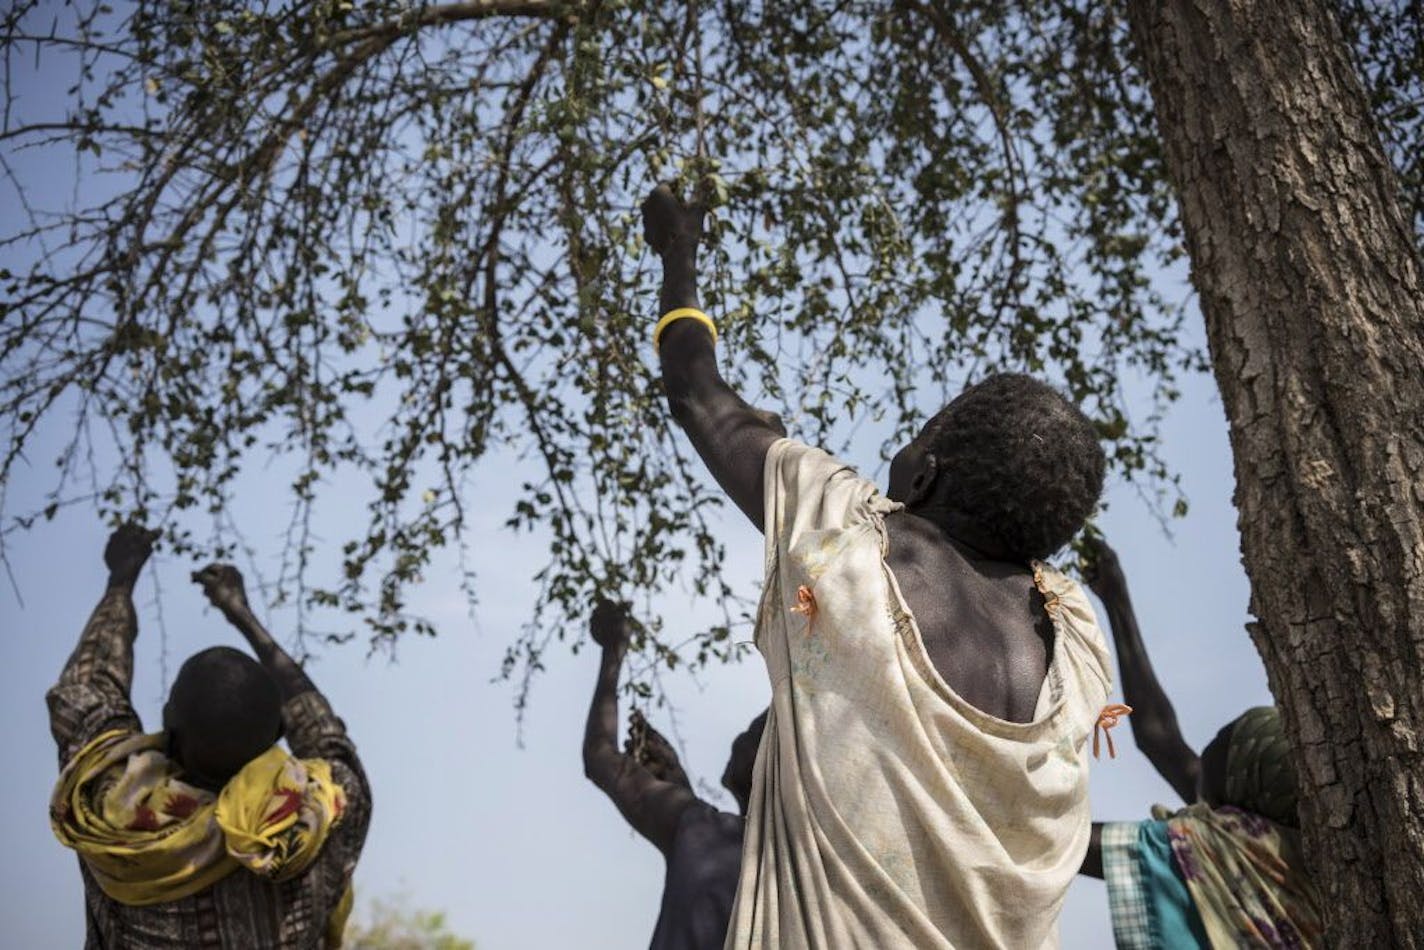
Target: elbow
[(594, 766), (1152, 737), (58, 722), (1166, 756), (1149, 743), (602, 766)]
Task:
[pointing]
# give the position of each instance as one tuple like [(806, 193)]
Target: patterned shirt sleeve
[(314, 731), (92, 695)]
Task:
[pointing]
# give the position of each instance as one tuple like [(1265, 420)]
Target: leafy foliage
[(391, 924), (1388, 42), (295, 217)]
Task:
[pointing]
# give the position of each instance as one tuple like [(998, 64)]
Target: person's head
[(1010, 468), (1249, 765), (737, 776), (223, 711)]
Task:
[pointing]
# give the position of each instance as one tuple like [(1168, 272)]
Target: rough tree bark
[(1310, 284)]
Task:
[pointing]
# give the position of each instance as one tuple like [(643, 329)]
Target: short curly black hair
[(1020, 462), (227, 706)]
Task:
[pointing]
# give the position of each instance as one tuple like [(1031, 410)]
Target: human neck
[(955, 529), (198, 780)]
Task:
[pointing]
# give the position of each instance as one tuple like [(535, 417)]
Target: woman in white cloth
[(923, 777)]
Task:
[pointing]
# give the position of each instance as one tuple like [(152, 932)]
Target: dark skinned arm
[(1153, 720), (311, 728), (92, 694), (1093, 860), (224, 589), (652, 806), (730, 435)]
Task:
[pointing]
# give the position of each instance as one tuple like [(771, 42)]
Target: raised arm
[(650, 804), (730, 435), (311, 728), (224, 589), (92, 695), (1153, 720)]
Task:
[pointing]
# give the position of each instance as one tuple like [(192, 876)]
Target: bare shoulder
[(982, 622)]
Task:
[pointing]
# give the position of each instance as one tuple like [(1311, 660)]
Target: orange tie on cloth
[(1108, 718), (806, 607)]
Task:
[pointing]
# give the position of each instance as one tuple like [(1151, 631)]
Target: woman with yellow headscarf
[(207, 834)]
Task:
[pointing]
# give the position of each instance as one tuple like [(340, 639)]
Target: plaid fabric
[(1127, 891), (242, 910)]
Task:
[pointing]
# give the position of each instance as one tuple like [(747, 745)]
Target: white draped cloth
[(887, 811)]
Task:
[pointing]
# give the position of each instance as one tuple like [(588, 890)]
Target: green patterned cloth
[(1260, 770)]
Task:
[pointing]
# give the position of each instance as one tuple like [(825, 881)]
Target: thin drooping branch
[(398, 246)]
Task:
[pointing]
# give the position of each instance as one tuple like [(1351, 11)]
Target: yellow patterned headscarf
[(276, 813), (147, 836)]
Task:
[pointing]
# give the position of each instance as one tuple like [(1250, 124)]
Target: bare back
[(983, 623)]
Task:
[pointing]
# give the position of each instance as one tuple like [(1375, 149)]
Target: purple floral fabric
[(1247, 877)]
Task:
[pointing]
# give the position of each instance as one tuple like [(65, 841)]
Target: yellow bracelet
[(683, 313)]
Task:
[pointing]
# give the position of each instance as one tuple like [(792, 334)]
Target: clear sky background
[(511, 840)]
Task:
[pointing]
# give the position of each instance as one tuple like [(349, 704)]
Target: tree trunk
[(1310, 283)]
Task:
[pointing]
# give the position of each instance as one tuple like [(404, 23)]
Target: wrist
[(680, 265), (680, 272), (239, 616), (677, 294), (612, 658), (122, 581), (682, 249), (246, 623)]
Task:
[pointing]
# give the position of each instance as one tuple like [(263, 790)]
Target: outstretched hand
[(610, 625), (669, 224), (223, 586), (652, 750), (1101, 568), (128, 550)]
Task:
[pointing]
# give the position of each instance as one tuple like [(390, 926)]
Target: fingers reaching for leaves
[(128, 549), (652, 750), (222, 583), (669, 223), (610, 625)]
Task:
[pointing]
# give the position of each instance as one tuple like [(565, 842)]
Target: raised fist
[(670, 224), (128, 551), (610, 625), (223, 586)]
